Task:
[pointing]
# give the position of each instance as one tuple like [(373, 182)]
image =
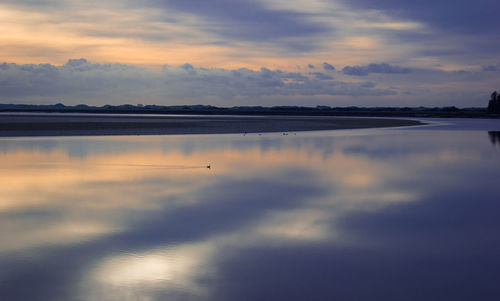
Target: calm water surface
[(387, 214)]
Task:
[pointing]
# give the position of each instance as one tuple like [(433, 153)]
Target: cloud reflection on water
[(275, 217)]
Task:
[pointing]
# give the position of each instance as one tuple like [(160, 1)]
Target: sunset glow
[(455, 45)]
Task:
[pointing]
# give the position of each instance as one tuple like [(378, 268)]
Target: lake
[(375, 214)]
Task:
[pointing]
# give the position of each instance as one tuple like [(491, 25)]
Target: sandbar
[(33, 125)]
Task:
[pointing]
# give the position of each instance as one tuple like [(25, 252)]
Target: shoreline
[(25, 125)]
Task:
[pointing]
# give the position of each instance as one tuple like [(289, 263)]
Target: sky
[(250, 52)]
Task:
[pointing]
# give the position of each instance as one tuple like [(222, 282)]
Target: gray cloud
[(227, 22), (187, 67), (374, 68), (328, 67), (80, 81), (34, 3), (457, 31), (248, 20), (492, 67), (479, 16), (321, 76), (356, 70), (77, 76)]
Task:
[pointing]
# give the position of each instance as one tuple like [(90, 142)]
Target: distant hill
[(256, 110)]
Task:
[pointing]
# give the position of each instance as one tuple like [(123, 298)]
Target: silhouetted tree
[(494, 104)]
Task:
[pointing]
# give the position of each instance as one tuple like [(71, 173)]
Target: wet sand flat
[(19, 125)]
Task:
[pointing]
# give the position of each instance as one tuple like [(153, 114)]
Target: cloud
[(77, 76), (450, 15), (34, 3), (356, 70), (252, 21), (80, 81), (374, 68), (492, 67), (250, 33), (187, 67), (328, 67), (321, 76), (456, 33)]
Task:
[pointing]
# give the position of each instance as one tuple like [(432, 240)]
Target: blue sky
[(250, 52)]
